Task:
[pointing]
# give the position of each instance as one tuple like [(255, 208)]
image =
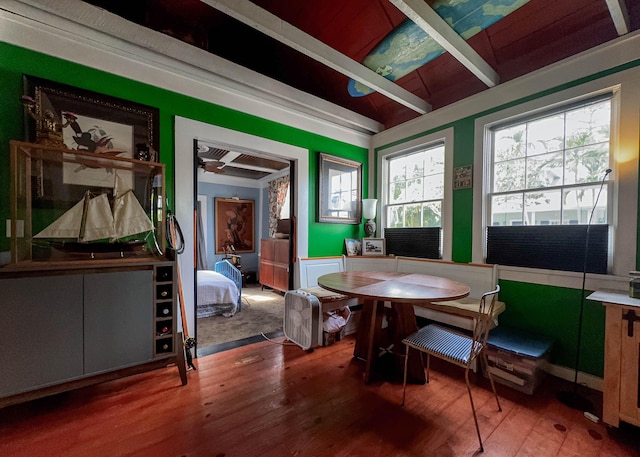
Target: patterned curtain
[(277, 193)]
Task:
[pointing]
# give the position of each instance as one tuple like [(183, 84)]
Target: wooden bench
[(479, 277), (370, 263), (309, 270)]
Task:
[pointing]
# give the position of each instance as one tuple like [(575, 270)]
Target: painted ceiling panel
[(535, 34), (361, 23)]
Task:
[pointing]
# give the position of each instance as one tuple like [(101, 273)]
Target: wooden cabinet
[(74, 308), (274, 263), (65, 328), (621, 396)]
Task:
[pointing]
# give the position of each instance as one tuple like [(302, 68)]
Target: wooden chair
[(457, 348)]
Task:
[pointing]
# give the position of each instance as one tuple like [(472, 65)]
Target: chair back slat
[(483, 322)]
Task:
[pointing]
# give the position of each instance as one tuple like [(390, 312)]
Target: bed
[(219, 291)]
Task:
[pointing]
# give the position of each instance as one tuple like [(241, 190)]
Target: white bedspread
[(216, 289)]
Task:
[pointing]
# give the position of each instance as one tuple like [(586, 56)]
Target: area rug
[(262, 312)]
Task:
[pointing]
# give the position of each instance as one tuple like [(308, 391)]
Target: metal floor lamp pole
[(572, 398)]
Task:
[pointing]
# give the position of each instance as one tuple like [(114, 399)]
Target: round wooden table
[(403, 290)]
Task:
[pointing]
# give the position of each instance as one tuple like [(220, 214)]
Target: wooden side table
[(621, 394)]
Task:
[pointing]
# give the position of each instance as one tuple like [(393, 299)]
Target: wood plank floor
[(275, 400)]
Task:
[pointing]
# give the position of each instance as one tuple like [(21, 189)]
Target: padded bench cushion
[(325, 295)]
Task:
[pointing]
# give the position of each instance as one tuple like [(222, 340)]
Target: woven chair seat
[(442, 343)]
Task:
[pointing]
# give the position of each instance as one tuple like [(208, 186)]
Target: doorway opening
[(243, 197)]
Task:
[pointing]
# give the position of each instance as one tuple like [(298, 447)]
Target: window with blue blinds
[(556, 247), (423, 242)]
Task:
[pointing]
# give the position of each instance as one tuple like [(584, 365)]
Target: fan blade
[(214, 166)]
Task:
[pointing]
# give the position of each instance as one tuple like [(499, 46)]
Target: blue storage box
[(517, 359)]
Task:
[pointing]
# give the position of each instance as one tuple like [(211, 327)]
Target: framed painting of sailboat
[(93, 123)]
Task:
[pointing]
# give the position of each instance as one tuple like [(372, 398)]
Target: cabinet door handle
[(631, 317)]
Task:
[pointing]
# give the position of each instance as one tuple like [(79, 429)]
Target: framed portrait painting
[(234, 225)]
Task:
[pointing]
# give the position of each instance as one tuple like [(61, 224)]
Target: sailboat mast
[(85, 211)]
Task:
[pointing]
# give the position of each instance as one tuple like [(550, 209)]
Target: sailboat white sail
[(92, 218), (129, 218), (98, 223)]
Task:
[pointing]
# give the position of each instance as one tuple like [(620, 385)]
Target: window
[(416, 189), (415, 196), (550, 171), (547, 170), (286, 205)]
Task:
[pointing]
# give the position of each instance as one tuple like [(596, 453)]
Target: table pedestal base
[(382, 348)]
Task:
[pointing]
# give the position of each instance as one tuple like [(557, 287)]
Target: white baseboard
[(585, 379)]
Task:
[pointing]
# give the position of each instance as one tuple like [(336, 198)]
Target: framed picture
[(373, 246), (93, 123), (340, 190), (234, 220), (462, 177), (352, 246)]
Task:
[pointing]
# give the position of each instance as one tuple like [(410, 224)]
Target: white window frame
[(444, 137), (623, 192), (561, 187)]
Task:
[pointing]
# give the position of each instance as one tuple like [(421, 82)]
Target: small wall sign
[(463, 177)]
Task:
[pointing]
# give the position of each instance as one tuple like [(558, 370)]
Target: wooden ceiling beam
[(269, 24), (620, 16), (428, 20)]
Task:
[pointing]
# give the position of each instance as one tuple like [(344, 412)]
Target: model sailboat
[(93, 219)]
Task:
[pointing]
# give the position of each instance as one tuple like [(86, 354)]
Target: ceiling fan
[(211, 166)]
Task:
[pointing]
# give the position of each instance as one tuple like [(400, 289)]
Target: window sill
[(556, 278)]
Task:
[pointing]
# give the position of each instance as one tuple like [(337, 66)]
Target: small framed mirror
[(340, 190)]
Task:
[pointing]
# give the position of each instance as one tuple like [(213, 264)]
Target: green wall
[(324, 239), (544, 310), (553, 312), (550, 311), (462, 198)]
